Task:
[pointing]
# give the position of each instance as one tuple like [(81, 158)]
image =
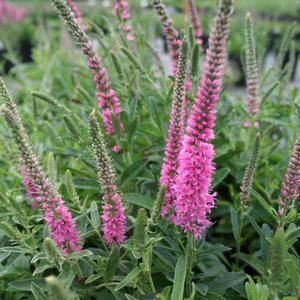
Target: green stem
[(238, 241), (148, 273), (190, 254)]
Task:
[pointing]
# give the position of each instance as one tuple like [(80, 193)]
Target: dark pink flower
[(76, 13), (194, 199), (195, 22), (291, 183), (120, 9)]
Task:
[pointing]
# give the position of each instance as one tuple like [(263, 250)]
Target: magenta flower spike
[(108, 100), (291, 183), (11, 13), (121, 10), (195, 22), (170, 32), (194, 200), (43, 194), (113, 212), (76, 13), (175, 133)]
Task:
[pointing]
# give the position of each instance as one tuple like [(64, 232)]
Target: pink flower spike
[(120, 9), (175, 133), (77, 13), (108, 100), (194, 200), (113, 216), (291, 183), (195, 22)]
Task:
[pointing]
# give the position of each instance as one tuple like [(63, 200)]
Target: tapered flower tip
[(226, 6), (93, 115)]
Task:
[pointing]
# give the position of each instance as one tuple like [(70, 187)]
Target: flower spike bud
[(195, 22), (57, 289), (276, 262), (76, 13), (158, 204), (140, 228), (41, 191), (247, 182), (175, 132), (7, 99), (170, 32), (194, 200), (120, 9), (108, 100), (291, 183), (252, 98), (113, 217)]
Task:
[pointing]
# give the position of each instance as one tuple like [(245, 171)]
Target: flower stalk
[(120, 9), (175, 132), (252, 98), (291, 183), (39, 188), (108, 100), (113, 216), (194, 199), (195, 22)]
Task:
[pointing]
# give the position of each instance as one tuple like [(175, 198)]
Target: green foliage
[(55, 95)]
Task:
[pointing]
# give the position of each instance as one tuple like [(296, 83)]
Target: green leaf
[(129, 297), (179, 278), (202, 288), (214, 296), (130, 278), (139, 199), (37, 292), (256, 226), (94, 213), (112, 263), (80, 254), (132, 171), (41, 269), (268, 208), (4, 255), (225, 281), (254, 262), (93, 278), (25, 284), (132, 129), (234, 222), (52, 168), (219, 176), (39, 256)]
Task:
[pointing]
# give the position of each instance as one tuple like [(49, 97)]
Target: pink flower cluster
[(108, 100), (194, 199), (175, 133), (113, 216), (291, 183), (195, 22), (120, 9), (113, 212), (173, 40), (76, 13), (60, 223), (11, 13)]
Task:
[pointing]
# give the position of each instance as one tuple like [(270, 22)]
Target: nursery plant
[(120, 181)]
